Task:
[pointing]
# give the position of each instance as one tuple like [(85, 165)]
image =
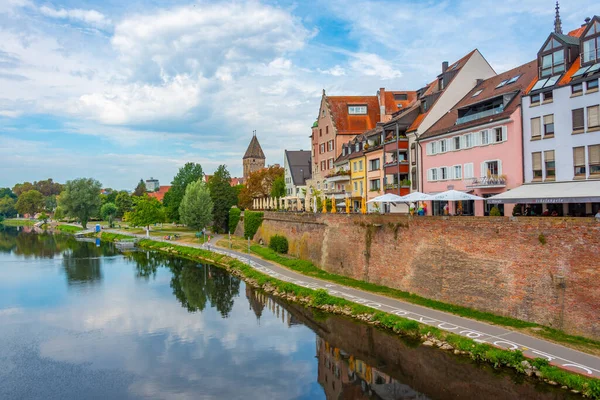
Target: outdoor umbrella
[(363, 206), (387, 198), (347, 205), (453, 195), (333, 205), (415, 197)]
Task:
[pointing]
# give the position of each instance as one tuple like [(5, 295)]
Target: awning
[(558, 192)]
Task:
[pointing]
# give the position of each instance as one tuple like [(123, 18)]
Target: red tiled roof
[(236, 181), (447, 123), (577, 32), (160, 194), (566, 79), (346, 124), (391, 105)]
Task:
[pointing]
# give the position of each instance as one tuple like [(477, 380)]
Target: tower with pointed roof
[(254, 158)]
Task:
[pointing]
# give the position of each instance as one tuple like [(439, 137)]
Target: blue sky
[(126, 90)]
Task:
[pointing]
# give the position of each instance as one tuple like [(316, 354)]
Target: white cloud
[(335, 71), (91, 17), (373, 65)]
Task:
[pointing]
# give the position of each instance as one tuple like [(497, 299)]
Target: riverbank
[(429, 335)]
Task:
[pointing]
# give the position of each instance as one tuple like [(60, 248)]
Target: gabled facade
[(561, 119), (297, 170), (435, 100), (476, 147)]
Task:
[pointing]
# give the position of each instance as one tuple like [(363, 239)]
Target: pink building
[(477, 146)]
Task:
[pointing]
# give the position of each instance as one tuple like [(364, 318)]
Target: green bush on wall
[(252, 221), (279, 244), (234, 218), (495, 212)]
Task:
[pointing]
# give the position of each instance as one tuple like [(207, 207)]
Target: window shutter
[(429, 175), (548, 155), (577, 119), (548, 119), (535, 127), (476, 139), (504, 133), (594, 154), (536, 161), (579, 156), (450, 144), (483, 170), (593, 116), (499, 167)]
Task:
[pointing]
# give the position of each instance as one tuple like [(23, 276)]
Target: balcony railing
[(487, 181), (481, 114)]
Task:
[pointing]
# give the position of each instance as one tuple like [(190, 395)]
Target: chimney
[(444, 66), (382, 105)]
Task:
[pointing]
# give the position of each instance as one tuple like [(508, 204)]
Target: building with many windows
[(561, 126), (476, 146), (297, 170)]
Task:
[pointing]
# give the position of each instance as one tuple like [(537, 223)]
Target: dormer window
[(591, 44), (357, 147), (425, 106), (553, 63), (357, 110), (400, 96)]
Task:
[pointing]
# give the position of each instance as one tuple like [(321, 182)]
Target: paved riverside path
[(482, 332)]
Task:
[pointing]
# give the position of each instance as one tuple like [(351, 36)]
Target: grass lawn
[(18, 222), (69, 228)]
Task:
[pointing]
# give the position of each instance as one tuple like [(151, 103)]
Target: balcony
[(492, 181), (338, 176), (481, 114)]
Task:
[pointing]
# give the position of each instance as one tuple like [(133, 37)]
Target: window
[(591, 47), (504, 82), (355, 166), (484, 138), (357, 147), (322, 148), (400, 96), (431, 148), (592, 85), (330, 145), (360, 165), (361, 187), (322, 165), (593, 116), (513, 79), (425, 106), (443, 147), (490, 168), (413, 154), (498, 135), (553, 63), (344, 150), (355, 187), (549, 125), (535, 98), (577, 88), (374, 185), (579, 161), (477, 93), (443, 175), (330, 163), (550, 165), (578, 119), (548, 96), (456, 140), (594, 159), (457, 173), (374, 164), (469, 171), (413, 177), (441, 83), (535, 128), (357, 110), (432, 174), (468, 140), (321, 132), (327, 129), (536, 165)]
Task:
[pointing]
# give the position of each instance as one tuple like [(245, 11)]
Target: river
[(81, 320)]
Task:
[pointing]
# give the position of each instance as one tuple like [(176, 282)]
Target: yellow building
[(358, 171)]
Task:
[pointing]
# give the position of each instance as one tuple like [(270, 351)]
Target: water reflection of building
[(259, 301), (343, 376)]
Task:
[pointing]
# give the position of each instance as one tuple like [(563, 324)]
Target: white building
[(297, 166), (561, 126), (152, 185)]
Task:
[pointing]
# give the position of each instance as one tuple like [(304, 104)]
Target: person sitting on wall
[(554, 213), (545, 213), (597, 216), (446, 209)]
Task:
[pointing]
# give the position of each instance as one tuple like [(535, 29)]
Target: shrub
[(517, 210), (234, 218), (279, 244), (542, 238), (252, 221), (495, 212)]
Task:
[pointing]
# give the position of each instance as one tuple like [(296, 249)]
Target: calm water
[(82, 321)]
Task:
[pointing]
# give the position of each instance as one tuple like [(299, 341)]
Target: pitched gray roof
[(254, 150), (299, 163), (567, 39)]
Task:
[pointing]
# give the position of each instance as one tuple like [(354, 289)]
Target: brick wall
[(491, 264)]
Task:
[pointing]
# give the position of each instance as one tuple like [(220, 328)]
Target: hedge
[(234, 218), (279, 244), (252, 221)]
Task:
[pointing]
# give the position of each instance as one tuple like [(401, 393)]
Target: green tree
[(50, 203), (187, 174), (48, 187), (6, 192), (21, 188), (197, 206), (108, 212), (30, 202), (147, 211), (81, 199), (223, 197), (278, 188), (59, 213), (124, 203), (140, 189), (8, 207), (44, 217)]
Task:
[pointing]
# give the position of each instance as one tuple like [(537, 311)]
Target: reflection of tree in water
[(195, 285), (28, 244), (146, 263), (8, 242), (82, 262)]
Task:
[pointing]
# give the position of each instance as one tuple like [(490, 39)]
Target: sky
[(120, 91)]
